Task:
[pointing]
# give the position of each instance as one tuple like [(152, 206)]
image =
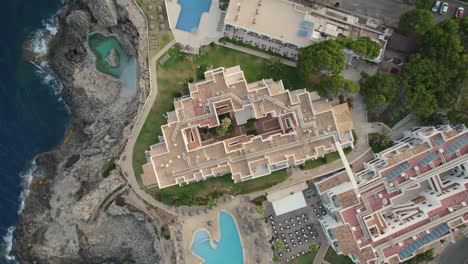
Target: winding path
[(126, 158)]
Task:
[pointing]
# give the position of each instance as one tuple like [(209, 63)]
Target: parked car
[(444, 8), (436, 6), (459, 12)]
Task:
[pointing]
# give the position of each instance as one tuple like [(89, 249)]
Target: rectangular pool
[(190, 14)]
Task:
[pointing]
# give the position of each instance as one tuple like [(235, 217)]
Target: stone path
[(321, 253), (126, 158)]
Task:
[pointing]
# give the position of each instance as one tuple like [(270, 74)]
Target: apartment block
[(284, 27), (226, 125), (408, 197)]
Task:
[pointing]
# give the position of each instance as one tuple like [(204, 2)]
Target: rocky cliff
[(66, 218)]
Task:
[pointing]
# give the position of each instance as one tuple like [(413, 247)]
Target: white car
[(435, 7), (444, 8)]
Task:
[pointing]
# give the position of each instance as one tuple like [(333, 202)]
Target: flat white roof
[(275, 18), (289, 203)]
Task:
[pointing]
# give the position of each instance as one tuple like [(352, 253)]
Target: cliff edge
[(70, 214)]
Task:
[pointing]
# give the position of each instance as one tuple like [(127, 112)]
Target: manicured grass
[(182, 67), (306, 259), (330, 157), (333, 258), (162, 37), (200, 193)]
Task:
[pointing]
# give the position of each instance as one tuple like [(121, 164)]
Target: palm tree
[(275, 68)]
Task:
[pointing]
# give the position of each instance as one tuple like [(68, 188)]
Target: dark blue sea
[(33, 118)]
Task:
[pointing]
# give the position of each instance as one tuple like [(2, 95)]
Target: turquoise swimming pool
[(190, 14), (228, 250)]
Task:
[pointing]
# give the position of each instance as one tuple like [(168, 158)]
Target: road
[(389, 11), (453, 5)]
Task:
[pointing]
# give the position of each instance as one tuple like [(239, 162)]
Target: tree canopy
[(416, 22), (325, 55), (379, 90), (275, 68), (336, 84), (224, 126), (424, 4), (433, 76), (364, 46)]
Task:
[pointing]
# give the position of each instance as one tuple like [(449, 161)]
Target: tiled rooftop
[(290, 127), (434, 187)]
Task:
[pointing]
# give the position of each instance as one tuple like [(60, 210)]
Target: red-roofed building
[(409, 196)]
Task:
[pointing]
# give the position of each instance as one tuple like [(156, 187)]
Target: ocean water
[(33, 118), (227, 251)]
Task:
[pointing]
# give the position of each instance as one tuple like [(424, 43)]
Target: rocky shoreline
[(68, 217)]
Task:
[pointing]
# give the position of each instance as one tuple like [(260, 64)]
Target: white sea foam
[(26, 179), (44, 71), (8, 240), (40, 39), (39, 46)]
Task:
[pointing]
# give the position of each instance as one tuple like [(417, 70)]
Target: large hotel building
[(270, 128), (407, 198), (283, 27)]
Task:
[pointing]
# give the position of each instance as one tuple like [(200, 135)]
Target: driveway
[(452, 8), (389, 11)]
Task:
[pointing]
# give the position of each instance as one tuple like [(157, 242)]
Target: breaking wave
[(26, 179), (41, 38), (39, 47)]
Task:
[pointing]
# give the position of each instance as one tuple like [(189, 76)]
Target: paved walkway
[(126, 158), (125, 162), (256, 53), (321, 253)]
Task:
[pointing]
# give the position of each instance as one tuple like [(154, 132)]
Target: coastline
[(88, 126), (34, 47)]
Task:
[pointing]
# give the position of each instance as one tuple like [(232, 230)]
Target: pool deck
[(201, 216), (206, 32)]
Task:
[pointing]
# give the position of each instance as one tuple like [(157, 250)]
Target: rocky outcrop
[(104, 11), (113, 58), (66, 217)]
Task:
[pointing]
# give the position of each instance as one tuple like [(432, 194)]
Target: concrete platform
[(206, 32)]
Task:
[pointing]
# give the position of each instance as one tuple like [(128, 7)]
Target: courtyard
[(172, 77), (294, 232)]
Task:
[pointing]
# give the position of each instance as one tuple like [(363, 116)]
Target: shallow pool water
[(190, 14), (227, 251), (101, 45)]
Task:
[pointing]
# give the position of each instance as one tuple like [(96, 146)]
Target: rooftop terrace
[(271, 129)]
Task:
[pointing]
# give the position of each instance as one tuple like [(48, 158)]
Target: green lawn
[(333, 258), (201, 192), (330, 157), (306, 259), (182, 67), (162, 38), (178, 69)]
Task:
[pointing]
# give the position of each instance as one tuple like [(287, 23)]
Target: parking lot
[(297, 230), (389, 11), (452, 8)]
